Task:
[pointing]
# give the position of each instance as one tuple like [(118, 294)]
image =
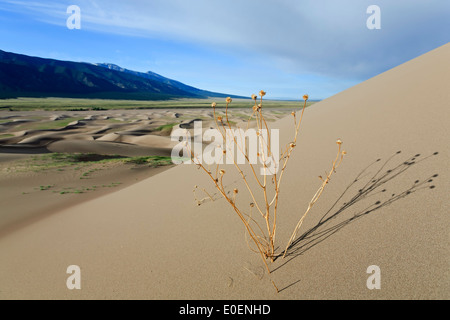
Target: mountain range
[(26, 76)]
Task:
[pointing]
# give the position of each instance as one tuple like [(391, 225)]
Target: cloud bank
[(321, 37)]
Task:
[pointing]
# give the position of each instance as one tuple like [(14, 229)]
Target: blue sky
[(286, 47)]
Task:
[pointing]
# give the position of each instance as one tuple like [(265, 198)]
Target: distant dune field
[(35, 146)]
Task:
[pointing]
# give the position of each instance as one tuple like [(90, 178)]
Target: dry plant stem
[(278, 182), (234, 138), (288, 155), (262, 232), (249, 229), (268, 249), (240, 171), (316, 196), (207, 194), (264, 240), (276, 288), (271, 231), (289, 150)]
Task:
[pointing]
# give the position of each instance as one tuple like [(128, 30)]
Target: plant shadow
[(374, 186)]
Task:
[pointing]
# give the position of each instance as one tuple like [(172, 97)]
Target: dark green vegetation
[(71, 104), (153, 161), (78, 173), (61, 161), (74, 158), (166, 128), (47, 125), (25, 76)]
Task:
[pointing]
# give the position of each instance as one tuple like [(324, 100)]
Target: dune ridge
[(387, 206)]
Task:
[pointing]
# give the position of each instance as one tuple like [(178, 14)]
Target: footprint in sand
[(257, 271)]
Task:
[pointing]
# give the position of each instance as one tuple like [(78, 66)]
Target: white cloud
[(325, 37)]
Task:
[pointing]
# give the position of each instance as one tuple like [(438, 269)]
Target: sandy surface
[(387, 205), (31, 191)]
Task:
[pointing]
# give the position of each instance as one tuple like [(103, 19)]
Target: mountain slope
[(25, 76), (154, 76)]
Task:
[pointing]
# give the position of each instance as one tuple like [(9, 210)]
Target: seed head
[(222, 172), (254, 96), (219, 118), (213, 104), (235, 190), (305, 97), (262, 93), (252, 204), (292, 145), (344, 153), (228, 100), (293, 113), (339, 142)]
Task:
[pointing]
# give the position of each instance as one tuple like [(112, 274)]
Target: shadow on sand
[(373, 185)]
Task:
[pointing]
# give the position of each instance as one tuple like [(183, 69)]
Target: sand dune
[(150, 140), (41, 139), (47, 127), (387, 205)]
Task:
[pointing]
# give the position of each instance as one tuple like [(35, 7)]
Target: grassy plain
[(69, 104)]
